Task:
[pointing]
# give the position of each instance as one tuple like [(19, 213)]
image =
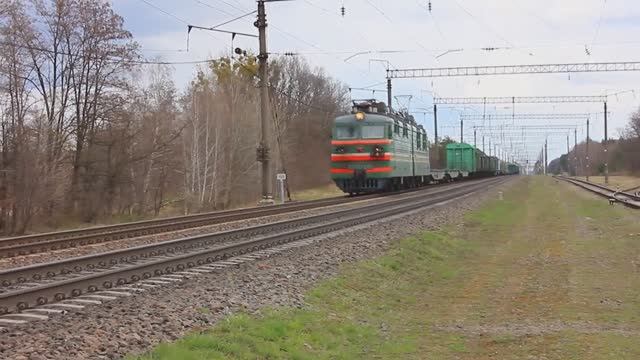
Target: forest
[(91, 131), (623, 154)]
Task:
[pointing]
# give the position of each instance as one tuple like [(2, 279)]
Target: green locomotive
[(374, 150)]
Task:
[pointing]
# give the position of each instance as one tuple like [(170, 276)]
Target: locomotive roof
[(373, 118)]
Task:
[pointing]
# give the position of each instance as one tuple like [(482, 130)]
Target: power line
[(483, 24), (379, 10), (595, 36), (165, 12), (213, 7), (234, 19), (173, 16), (110, 57)]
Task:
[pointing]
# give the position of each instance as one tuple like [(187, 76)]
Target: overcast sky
[(454, 33)]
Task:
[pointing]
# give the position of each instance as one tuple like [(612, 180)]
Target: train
[(374, 150)]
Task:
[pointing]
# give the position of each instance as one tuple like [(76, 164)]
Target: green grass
[(524, 277), (321, 192)]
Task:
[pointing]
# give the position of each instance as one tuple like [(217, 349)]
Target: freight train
[(376, 150)]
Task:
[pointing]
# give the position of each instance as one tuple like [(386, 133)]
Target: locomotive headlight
[(359, 116), (378, 150)]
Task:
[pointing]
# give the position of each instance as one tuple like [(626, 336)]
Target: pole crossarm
[(520, 100), (474, 117), (514, 69)]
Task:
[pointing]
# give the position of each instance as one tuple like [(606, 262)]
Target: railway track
[(622, 197), (38, 243), (30, 286)]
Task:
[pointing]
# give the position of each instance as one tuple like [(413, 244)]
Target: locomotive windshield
[(373, 132), (346, 132)]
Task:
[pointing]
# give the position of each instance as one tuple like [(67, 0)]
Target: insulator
[(342, 10), (429, 5)]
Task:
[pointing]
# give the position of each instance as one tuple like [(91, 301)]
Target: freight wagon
[(467, 158)]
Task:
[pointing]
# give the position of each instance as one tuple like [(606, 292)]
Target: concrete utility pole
[(606, 154), (483, 144), (389, 96), (435, 135), (435, 123), (461, 131), (568, 152), (546, 155), (475, 138), (265, 136), (588, 164), (575, 151)]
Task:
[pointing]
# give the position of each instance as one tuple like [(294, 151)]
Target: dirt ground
[(557, 280), (624, 182)]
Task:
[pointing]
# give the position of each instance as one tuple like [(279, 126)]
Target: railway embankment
[(547, 272), (134, 324)]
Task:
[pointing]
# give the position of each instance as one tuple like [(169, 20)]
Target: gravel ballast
[(137, 323), (38, 258)]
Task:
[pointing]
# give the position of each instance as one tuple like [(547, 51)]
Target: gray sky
[(522, 31)]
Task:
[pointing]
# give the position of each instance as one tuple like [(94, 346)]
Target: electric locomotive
[(374, 150)]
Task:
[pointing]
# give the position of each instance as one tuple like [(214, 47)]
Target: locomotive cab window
[(396, 127), (405, 131), (418, 142), (373, 132), (346, 132)]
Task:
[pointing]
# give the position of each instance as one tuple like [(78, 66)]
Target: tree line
[(622, 155), (89, 131)]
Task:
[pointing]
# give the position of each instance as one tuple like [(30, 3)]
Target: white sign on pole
[(281, 178)]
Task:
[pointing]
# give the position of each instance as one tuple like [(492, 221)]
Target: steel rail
[(40, 294), (106, 259), (625, 198), (31, 244)]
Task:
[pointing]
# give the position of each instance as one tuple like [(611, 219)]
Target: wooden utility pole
[(265, 133)]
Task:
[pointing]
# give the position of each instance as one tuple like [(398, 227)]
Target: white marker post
[(281, 178)]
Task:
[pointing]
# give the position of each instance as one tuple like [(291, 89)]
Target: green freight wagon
[(513, 169), (463, 157), (467, 158), (493, 164)]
